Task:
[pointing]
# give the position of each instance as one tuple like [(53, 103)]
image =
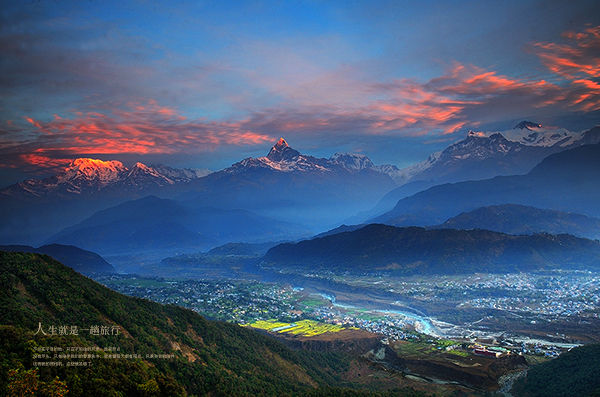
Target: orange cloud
[(578, 64), (143, 129), (447, 103), (32, 121), (580, 58), (43, 161), (589, 98)]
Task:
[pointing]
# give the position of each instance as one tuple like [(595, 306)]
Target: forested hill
[(573, 374), (415, 250), (41, 296)]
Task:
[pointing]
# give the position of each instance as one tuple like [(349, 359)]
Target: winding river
[(422, 323)]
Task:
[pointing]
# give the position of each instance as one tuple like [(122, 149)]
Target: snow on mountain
[(533, 134), (141, 174), (180, 174), (526, 139), (352, 161), (104, 172), (357, 162), (281, 151), (283, 158), (86, 176), (475, 147)]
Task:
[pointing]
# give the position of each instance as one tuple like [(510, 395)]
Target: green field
[(312, 301), (423, 348)]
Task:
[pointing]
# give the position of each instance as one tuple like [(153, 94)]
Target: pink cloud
[(141, 129), (449, 102), (571, 60), (577, 64), (43, 161)]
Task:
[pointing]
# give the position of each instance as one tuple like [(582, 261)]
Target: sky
[(204, 84)]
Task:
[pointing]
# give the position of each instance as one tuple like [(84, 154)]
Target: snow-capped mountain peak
[(283, 158), (87, 164), (142, 172), (352, 161), (86, 176), (104, 172), (281, 151), (527, 125), (280, 145), (532, 134), (484, 154)]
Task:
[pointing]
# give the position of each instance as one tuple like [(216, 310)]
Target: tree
[(27, 383)]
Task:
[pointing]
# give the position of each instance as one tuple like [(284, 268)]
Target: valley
[(429, 325), (560, 309)]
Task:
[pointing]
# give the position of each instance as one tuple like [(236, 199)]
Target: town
[(545, 298)]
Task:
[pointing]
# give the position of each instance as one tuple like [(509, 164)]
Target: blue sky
[(208, 83)]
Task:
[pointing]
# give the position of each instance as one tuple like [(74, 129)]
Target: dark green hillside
[(573, 374), (415, 250), (210, 358)]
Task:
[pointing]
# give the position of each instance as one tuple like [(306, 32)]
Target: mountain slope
[(80, 260), (412, 250), (520, 219), (152, 224), (568, 181), (574, 373), (209, 358)]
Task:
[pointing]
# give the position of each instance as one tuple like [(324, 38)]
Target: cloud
[(577, 66), (406, 107), (582, 58), (445, 104), (219, 93), (140, 129)]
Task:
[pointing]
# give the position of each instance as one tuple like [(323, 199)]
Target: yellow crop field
[(302, 328)]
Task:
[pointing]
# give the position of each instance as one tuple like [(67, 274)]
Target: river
[(422, 323)]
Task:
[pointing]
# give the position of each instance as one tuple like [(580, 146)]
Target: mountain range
[(287, 185), (286, 195), (284, 185), (567, 181), (85, 177), (483, 155), (33, 210)]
